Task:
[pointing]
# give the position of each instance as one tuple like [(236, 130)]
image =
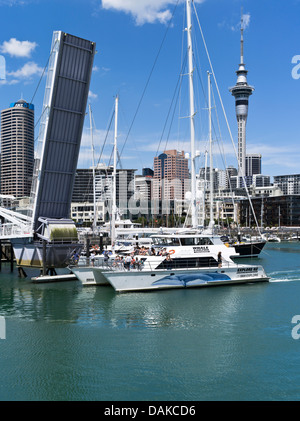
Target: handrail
[(146, 266)]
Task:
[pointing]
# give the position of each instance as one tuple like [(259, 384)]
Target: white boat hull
[(185, 278), (87, 276)]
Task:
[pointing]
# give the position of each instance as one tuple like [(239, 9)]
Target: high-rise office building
[(253, 164), (171, 177), (17, 149), (241, 91)]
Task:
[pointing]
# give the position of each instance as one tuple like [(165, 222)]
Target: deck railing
[(115, 265)]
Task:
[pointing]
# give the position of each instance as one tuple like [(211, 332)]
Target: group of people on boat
[(147, 251), (128, 262)]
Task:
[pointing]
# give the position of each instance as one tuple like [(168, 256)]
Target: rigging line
[(149, 77), (51, 52), (107, 132), (38, 85), (178, 85), (122, 114), (223, 157), (172, 119), (227, 123)]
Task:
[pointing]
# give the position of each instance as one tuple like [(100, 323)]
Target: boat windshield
[(166, 241), (183, 241), (203, 241), (198, 241)]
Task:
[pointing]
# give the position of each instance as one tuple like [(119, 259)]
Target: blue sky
[(129, 34)]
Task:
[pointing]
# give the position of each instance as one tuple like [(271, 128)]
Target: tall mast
[(93, 156), (192, 113), (114, 189), (211, 180)]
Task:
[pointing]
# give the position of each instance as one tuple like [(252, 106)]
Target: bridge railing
[(11, 230)]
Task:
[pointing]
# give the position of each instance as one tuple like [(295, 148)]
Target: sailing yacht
[(184, 260)]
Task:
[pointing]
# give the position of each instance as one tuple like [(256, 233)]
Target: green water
[(65, 342)]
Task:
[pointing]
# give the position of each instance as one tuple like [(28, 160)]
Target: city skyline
[(128, 39)]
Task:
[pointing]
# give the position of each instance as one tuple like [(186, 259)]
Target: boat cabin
[(184, 240)]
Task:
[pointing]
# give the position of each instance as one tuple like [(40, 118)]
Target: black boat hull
[(249, 249)]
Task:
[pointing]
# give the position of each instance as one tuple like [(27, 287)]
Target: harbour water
[(233, 343)]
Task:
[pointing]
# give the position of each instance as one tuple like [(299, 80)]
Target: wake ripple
[(285, 276)]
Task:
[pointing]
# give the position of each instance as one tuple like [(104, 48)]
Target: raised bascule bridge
[(46, 237)]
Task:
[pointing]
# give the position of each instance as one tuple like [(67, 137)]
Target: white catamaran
[(181, 261)]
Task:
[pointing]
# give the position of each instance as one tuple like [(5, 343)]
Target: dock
[(53, 278)]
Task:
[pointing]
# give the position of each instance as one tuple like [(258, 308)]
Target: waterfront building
[(222, 179), (272, 211), (289, 184), (17, 149), (143, 187), (269, 190), (204, 174), (83, 191), (231, 171), (83, 213), (260, 180)]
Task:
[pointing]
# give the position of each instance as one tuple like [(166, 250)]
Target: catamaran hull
[(88, 276), (188, 278)]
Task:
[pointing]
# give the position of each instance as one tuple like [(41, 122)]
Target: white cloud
[(246, 23), (144, 11), (8, 82), (92, 95), (246, 20), (13, 2), (27, 71), (16, 48)]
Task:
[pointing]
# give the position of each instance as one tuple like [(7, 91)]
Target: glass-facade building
[(17, 149)]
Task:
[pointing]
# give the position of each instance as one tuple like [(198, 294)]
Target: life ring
[(171, 251)]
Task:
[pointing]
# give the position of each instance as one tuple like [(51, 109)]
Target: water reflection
[(100, 306), (68, 342)]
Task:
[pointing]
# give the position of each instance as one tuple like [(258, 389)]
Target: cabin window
[(161, 241), (187, 241), (203, 241)]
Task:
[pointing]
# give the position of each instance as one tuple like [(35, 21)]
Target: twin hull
[(185, 278), (87, 275)]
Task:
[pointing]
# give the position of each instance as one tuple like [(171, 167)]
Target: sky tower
[(241, 91)]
